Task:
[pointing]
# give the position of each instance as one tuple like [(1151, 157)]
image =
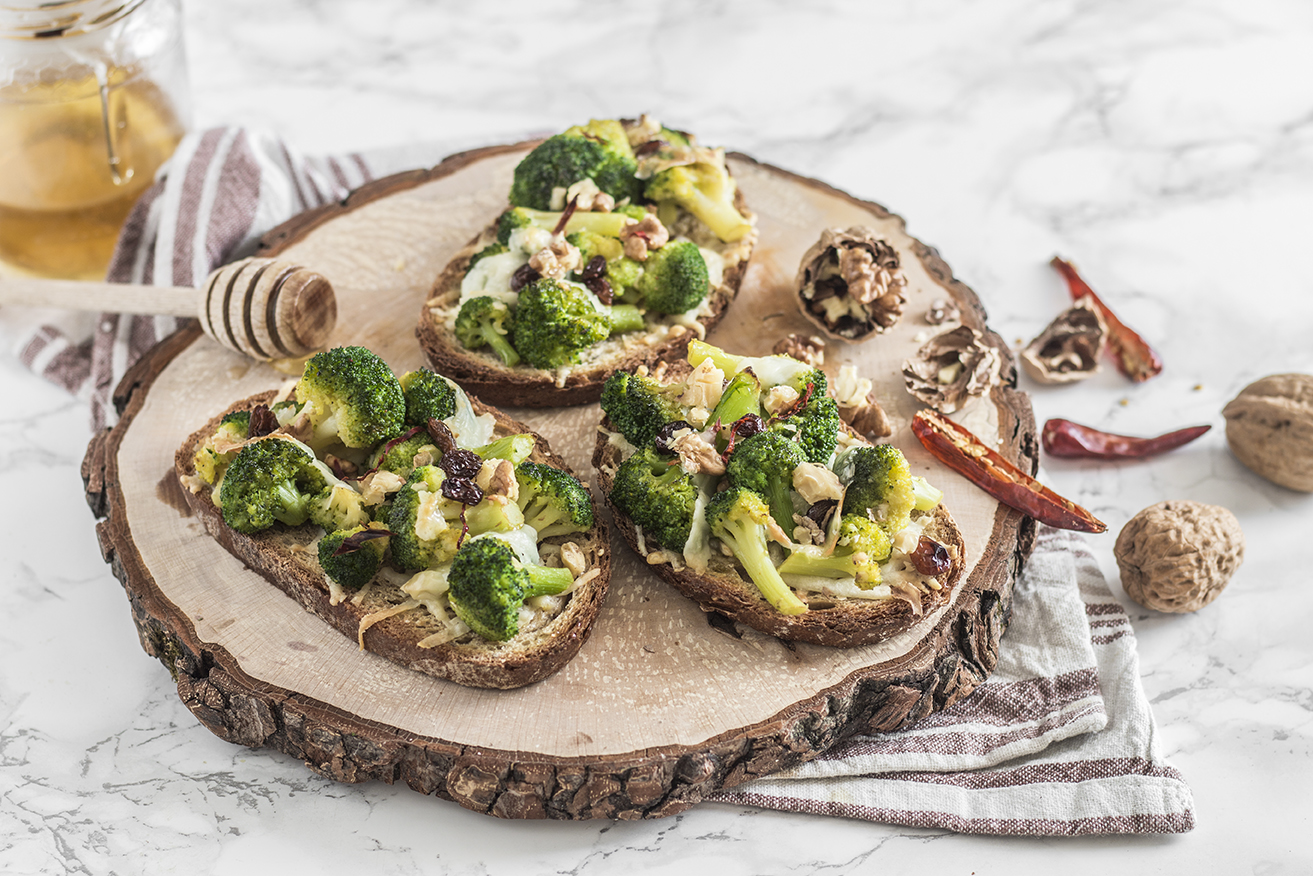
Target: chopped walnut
[(804, 348), (696, 454), (557, 259), (587, 197), (807, 531), (780, 398), (639, 237), (703, 388), (496, 478), (849, 284), (299, 427), (343, 468), (375, 486), (645, 129), (867, 418), (942, 311), (816, 483), (572, 558)]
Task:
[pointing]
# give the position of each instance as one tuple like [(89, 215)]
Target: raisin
[(440, 432), (666, 433), (462, 490), (930, 557), (523, 277), (461, 463)]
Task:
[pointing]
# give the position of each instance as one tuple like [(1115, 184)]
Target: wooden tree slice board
[(660, 708)]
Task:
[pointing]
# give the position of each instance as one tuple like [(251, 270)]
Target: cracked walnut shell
[(1177, 556), (849, 284), (1068, 349), (1269, 427), (951, 368)]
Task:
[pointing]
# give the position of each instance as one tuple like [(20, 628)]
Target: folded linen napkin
[(1059, 741)]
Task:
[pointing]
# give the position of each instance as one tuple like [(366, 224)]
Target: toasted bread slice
[(834, 620), (287, 558), (665, 338)]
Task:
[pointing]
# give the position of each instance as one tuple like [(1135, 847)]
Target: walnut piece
[(1177, 556), (1269, 427), (951, 368), (805, 348), (1069, 347), (639, 237), (849, 284)]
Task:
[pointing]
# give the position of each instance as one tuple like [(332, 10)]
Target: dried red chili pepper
[(1135, 358), (1070, 440), (960, 450)]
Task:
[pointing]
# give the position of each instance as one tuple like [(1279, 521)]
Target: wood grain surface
[(660, 707)]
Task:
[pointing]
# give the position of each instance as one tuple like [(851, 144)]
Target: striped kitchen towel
[(1059, 741)]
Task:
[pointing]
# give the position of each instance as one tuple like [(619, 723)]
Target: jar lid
[(47, 19)]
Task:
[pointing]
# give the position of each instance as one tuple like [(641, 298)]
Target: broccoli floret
[(271, 479), (490, 516), (553, 502), (820, 384), (598, 151), (516, 217), (337, 506), (516, 448), (862, 546), (674, 278), (421, 534), (741, 397), (398, 455), (927, 496), (357, 564), (486, 322), (738, 518), (658, 495), (488, 584), (879, 484), (764, 463), (555, 322), (428, 396), (639, 406), (353, 397), (491, 249), (705, 190), (216, 452), (815, 427)]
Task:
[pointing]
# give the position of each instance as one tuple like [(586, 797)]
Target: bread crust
[(279, 554), (838, 623), (481, 372)]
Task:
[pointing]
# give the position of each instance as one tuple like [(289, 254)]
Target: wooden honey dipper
[(263, 308)]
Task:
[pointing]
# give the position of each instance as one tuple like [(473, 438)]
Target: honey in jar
[(92, 102)]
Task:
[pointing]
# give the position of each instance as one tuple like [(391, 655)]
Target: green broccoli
[(490, 516), (639, 406), (553, 502), (488, 584), (555, 322), (879, 484), (273, 479), (741, 397), (654, 492), (764, 463), (216, 452), (705, 190), (486, 322), (927, 496), (622, 272), (815, 427), (674, 278), (421, 534), (861, 547), (398, 455), (337, 506), (598, 151), (738, 517), (350, 559), (491, 249), (428, 396), (516, 448), (625, 318), (516, 217), (353, 397)]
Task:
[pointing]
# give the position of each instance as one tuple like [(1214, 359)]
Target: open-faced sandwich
[(623, 240), (430, 528), (737, 481)]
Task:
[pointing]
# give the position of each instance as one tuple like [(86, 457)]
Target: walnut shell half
[(1177, 556), (951, 368), (1269, 427), (849, 284), (1068, 349)]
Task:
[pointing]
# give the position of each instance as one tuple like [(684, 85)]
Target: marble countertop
[(1166, 148)]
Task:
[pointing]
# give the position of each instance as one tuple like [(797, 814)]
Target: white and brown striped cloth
[(1059, 741)]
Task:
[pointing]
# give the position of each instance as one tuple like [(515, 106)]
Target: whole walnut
[(1177, 556), (1269, 427)]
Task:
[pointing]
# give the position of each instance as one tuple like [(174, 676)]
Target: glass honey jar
[(93, 99)]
